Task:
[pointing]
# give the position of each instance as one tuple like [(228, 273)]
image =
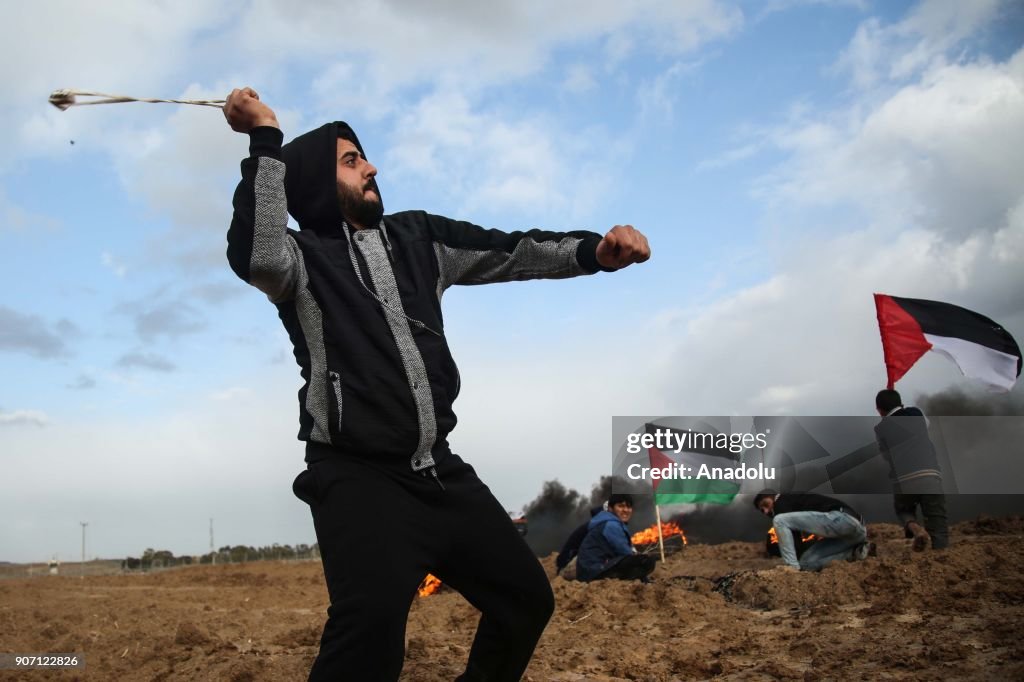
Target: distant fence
[(95, 567)]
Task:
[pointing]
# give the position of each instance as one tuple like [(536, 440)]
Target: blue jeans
[(840, 532)]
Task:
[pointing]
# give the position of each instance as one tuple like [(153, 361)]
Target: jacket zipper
[(336, 384)]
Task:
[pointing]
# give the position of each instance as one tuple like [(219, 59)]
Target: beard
[(357, 208)]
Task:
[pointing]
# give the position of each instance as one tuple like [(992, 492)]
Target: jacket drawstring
[(359, 275), (437, 479)]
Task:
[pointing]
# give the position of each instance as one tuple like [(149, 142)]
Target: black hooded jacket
[(363, 307)]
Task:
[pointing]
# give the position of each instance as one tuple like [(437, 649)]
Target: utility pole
[(83, 524), (213, 555)]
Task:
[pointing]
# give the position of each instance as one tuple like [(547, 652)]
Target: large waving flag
[(697, 448), (982, 349)]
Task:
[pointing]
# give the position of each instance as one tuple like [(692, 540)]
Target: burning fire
[(649, 535), (430, 585), (775, 538)]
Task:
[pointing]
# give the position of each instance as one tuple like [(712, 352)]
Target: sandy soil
[(901, 615)]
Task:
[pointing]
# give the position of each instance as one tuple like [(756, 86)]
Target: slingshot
[(64, 99)]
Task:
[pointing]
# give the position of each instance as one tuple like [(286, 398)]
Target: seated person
[(841, 528), (607, 551)]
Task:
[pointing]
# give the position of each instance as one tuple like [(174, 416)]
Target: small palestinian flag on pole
[(982, 349), (695, 453)]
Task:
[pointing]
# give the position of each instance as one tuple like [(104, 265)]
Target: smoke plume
[(955, 402)]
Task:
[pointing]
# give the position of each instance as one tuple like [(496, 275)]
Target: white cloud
[(923, 39), (23, 418), (773, 6), (406, 42), (940, 153), (182, 166), (113, 264), (781, 399), (807, 342), (488, 161), (657, 97), (1008, 245)]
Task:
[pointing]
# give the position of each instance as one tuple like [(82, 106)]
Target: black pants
[(633, 567), (933, 509), (381, 528)]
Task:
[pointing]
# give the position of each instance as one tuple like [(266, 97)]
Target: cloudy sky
[(786, 159)]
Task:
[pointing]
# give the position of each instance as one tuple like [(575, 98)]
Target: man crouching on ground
[(841, 529)]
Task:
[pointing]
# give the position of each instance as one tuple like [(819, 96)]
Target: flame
[(649, 535), (429, 586)]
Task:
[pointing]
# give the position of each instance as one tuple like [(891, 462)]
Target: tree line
[(162, 558)]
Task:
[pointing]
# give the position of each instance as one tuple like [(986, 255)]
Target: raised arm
[(260, 251), (468, 254)]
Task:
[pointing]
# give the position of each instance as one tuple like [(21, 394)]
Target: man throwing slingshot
[(360, 295)]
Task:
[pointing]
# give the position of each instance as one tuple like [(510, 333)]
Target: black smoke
[(552, 515), (956, 402)]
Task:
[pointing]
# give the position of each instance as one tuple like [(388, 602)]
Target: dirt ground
[(901, 615)]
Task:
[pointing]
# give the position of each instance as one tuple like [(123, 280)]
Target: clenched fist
[(244, 111), (622, 246)]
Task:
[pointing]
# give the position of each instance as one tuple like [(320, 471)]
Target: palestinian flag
[(911, 327), (701, 446)]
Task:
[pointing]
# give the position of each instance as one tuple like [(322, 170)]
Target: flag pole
[(661, 540)]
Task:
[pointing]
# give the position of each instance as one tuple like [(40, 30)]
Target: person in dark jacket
[(607, 550), (571, 548), (359, 293), (903, 440), (842, 529)]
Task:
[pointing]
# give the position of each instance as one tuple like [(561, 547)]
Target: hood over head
[(311, 176), (602, 516)]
